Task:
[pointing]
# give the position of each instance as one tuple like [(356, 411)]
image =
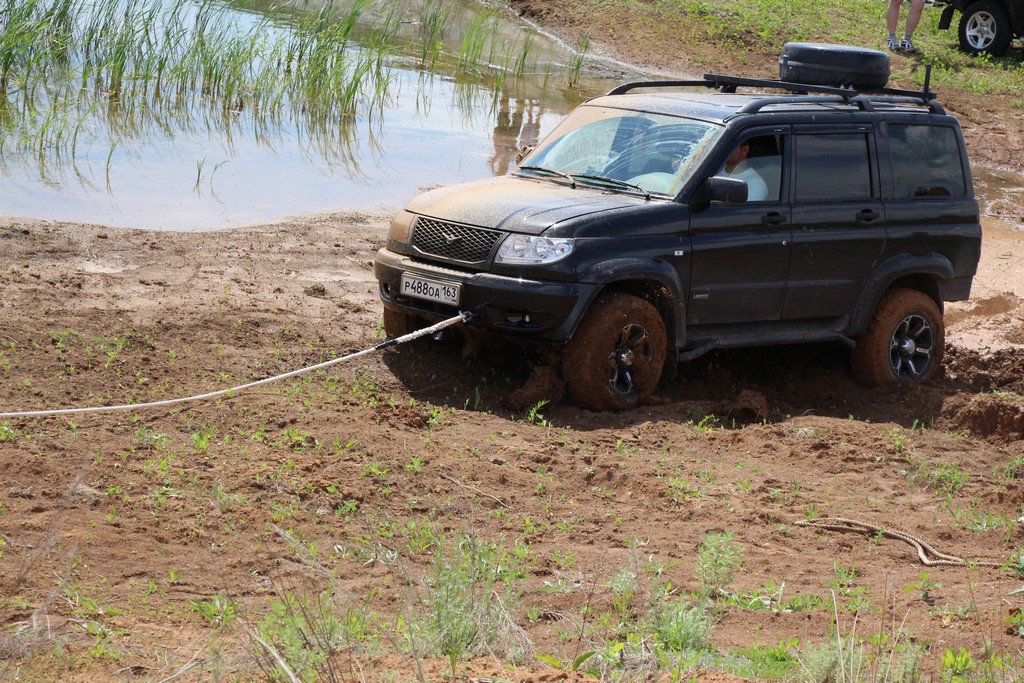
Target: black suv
[(987, 26), (667, 219)]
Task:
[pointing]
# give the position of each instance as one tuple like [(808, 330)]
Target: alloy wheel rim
[(911, 349), (980, 31), (634, 344)]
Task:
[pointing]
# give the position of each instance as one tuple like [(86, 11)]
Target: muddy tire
[(985, 27), (614, 360), (399, 324), (904, 342)]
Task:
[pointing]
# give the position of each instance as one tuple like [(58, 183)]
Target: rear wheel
[(614, 360), (399, 324), (985, 27), (904, 342)]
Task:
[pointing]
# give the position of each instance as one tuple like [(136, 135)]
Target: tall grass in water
[(577, 62), (160, 66), (78, 73), (433, 19)]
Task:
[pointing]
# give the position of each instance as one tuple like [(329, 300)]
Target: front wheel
[(904, 341), (399, 324), (985, 27), (614, 360)]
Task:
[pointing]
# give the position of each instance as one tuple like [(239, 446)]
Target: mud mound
[(1003, 370), (999, 415), (544, 385), (985, 308)]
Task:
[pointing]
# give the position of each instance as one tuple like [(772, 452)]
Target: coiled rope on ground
[(929, 556)]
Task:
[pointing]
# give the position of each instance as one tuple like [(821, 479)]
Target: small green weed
[(303, 632), (949, 478), (703, 425), (201, 441), (534, 416), (679, 626), (901, 443), (769, 662), (1012, 469), (8, 433), (468, 610), (957, 666), (623, 586), (373, 469), (569, 664), (844, 584), (718, 559), (680, 489), (218, 610), (924, 586)]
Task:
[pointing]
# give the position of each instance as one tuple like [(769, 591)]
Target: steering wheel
[(664, 151)]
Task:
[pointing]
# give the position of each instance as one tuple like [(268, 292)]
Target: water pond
[(189, 115), (272, 112)]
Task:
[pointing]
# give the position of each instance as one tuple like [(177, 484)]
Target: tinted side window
[(926, 161), (832, 167)]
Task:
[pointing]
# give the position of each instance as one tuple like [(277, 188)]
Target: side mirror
[(725, 189), (522, 152), (720, 189)]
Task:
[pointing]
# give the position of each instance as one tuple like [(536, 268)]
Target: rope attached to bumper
[(433, 329)]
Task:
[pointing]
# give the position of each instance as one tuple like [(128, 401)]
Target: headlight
[(400, 230), (530, 250)]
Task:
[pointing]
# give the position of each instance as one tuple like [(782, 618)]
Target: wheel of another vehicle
[(904, 342), (985, 27), (399, 324), (614, 360)]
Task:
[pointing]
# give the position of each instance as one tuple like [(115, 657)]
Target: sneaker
[(893, 43), (907, 46)]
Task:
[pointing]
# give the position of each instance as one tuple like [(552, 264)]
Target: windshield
[(654, 152)]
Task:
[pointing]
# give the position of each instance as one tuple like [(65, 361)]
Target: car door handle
[(867, 215), (773, 218)]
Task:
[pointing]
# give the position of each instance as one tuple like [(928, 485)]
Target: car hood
[(522, 205)]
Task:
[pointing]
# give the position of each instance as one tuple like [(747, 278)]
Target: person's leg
[(913, 17), (892, 17)]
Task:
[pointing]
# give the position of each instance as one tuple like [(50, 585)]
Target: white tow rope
[(433, 329)]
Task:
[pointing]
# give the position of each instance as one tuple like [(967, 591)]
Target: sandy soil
[(118, 529)]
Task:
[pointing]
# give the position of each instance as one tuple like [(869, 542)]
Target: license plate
[(432, 291)]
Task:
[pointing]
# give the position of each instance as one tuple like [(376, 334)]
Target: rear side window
[(926, 161), (832, 167)]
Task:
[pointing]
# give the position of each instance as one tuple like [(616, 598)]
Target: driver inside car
[(736, 166)]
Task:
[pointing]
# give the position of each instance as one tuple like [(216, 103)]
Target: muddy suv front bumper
[(535, 309)]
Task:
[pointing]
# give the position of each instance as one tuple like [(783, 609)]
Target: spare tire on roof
[(834, 65)]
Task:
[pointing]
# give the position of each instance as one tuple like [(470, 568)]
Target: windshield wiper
[(550, 171), (613, 181)]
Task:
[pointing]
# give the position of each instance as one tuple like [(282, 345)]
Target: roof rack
[(865, 99)]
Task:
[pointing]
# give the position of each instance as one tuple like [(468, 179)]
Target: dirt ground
[(124, 519), (118, 531)]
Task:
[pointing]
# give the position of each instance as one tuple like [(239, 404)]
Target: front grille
[(453, 242)]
